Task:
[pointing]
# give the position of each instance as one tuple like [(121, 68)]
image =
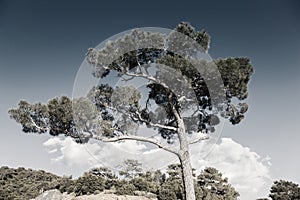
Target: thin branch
[(154, 124), (139, 65), (148, 77), (183, 98), (137, 138), (176, 114), (195, 111), (37, 126), (205, 137), (127, 79)]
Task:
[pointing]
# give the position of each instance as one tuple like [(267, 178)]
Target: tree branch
[(183, 98), (148, 77), (154, 124), (205, 137), (137, 138), (38, 127)]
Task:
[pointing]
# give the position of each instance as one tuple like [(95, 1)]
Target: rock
[(50, 195), (57, 195), (111, 197)]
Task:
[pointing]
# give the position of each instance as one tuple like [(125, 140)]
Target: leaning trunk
[(184, 157)]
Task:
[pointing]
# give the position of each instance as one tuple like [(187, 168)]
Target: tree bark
[(184, 158), (187, 173)]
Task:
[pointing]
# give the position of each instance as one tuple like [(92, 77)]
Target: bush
[(88, 184), (140, 184), (24, 183), (166, 192), (125, 189)]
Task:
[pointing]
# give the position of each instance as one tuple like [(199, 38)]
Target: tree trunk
[(187, 173), (184, 157)]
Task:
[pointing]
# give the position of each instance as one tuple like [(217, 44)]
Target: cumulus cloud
[(245, 169), (106, 154), (71, 153)]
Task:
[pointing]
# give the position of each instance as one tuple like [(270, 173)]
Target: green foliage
[(140, 184), (236, 73), (24, 183), (84, 113), (213, 186), (60, 116), (173, 182), (32, 117), (110, 178), (101, 96), (125, 96), (57, 117), (88, 183), (210, 185), (65, 184), (166, 192), (284, 190), (125, 188), (199, 36), (103, 172), (148, 182), (131, 169)]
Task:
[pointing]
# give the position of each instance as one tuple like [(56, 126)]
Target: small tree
[(103, 172), (173, 183), (112, 114), (214, 186), (131, 169)]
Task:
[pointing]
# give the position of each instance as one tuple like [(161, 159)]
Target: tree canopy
[(119, 109), (284, 190)]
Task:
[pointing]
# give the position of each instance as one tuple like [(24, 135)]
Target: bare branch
[(137, 138), (38, 127), (205, 137), (154, 124), (146, 76), (194, 113), (183, 98), (176, 114), (127, 79)]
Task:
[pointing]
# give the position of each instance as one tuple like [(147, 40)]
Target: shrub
[(125, 189)]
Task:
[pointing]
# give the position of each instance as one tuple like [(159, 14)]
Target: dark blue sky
[(42, 44), (48, 37)]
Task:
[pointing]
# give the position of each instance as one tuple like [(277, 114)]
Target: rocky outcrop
[(57, 195), (54, 195)]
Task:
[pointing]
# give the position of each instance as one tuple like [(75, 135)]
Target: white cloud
[(106, 154), (72, 153), (245, 169)]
